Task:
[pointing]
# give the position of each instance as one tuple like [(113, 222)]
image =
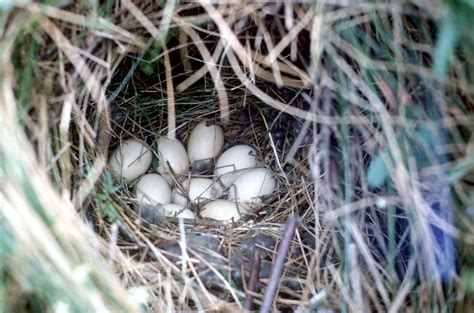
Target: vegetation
[(363, 109)]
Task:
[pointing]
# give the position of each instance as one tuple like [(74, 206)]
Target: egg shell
[(172, 152), (170, 209), (178, 198), (198, 190), (153, 189), (251, 185), (169, 178), (131, 159), (205, 142), (228, 178), (236, 158), (222, 210)]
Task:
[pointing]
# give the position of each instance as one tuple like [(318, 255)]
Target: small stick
[(170, 94), (253, 279), (183, 40), (278, 265)]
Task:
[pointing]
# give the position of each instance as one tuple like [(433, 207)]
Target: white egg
[(228, 178), (169, 178), (251, 185), (131, 159), (205, 142), (198, 190), (153, 189), (178, 198), (236, 158), (223, 210), (171, 152), (173, 209)]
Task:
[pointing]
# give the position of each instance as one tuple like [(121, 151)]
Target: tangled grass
[(363, 111)]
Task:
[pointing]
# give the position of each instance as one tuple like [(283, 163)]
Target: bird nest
[(219, 256)]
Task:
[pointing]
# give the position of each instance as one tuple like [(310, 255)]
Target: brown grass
[(231, 64)]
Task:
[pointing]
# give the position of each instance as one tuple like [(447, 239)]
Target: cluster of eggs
[(236, 184)]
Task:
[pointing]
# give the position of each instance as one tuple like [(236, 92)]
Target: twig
[(278, 265), (253, 280), (170, 94), (65, 158), (183, 40)]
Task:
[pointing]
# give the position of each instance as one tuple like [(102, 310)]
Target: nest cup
[(144, 112)]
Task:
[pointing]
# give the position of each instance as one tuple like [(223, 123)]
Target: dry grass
[(372, 153)]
